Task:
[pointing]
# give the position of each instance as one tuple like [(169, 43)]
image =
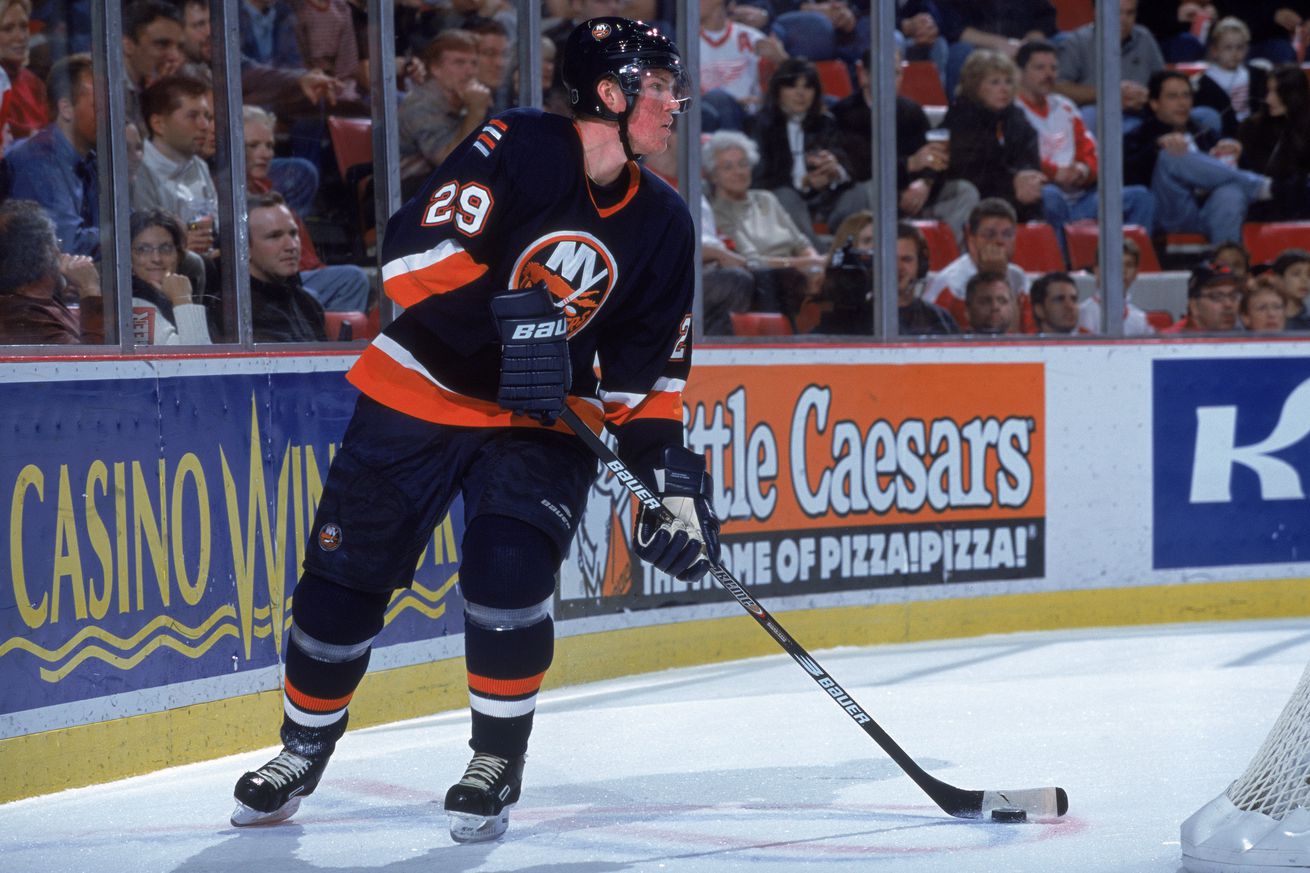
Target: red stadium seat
[(1036, 248), (1159, 318), (352, 141), (760, 324), (1083, 236), (1072, 13), (942, 248), (835, 78), (354, 323), (1266, 241), (922, 84)]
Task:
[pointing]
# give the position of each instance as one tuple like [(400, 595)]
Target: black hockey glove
[(685, 546), (535, 373)]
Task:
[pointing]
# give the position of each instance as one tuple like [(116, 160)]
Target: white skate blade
[(468, 828), (243, 816)]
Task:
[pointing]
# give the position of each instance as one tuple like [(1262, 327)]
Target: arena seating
[(835, 77), (352, 142), (346, 326), (1036, 248), (1083, 236), (942, 248), (760, 324), (922, 84), (1266, 240)]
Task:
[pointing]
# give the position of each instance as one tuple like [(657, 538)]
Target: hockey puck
[(1010, 814)]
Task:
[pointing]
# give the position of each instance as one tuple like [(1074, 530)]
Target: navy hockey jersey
[(513, 206)]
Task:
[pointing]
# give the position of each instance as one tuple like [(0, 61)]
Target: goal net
[(1261, 822)]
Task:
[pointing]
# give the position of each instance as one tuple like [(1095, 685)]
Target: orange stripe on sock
[(506, 687), (314, 704)]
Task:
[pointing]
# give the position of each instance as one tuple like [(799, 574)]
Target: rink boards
[(158, 511)]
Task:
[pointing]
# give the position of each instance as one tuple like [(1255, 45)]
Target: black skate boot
[(479, 803), (273, 792)]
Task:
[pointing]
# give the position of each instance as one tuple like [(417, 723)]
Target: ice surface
[(748, 766)]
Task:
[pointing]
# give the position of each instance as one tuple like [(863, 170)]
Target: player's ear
[(611, 94)]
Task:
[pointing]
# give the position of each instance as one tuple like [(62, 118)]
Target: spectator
[(1264, 304), (992, 144), (425, 20), (28, 111), (1234, 256), (339, 288), (1055, 304), (730, 54), (1276, 143), (1068, 150), (786, 267), (1176, 26), (1139, 59), (990, 304), (493, 62), (999, 25), (726, 284), (164, 311), (1181, 162), (32, 271), (325, 36), (1213, 293), (1273, 23), (1135, 320), (172, 175), (196, 34), (449, 105), (281, 311), (136, 148), (988, 247), (844, 305), (1229, 85), (152, 49), (919, 34), (57, 166), (1293, 267), (801, 159), (915, 315), (268, 32), (923, 191)]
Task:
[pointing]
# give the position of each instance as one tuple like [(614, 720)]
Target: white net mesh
[(1278, 778)]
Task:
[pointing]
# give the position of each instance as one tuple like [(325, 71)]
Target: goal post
[(1261, 823)]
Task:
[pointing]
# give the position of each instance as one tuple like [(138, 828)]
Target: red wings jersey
[(1062, 137), (511, 207)]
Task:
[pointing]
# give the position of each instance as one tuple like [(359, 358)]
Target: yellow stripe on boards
[(67, 758)]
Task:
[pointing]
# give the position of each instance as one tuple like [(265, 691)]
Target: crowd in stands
[(1216, 126), (1216, 121)]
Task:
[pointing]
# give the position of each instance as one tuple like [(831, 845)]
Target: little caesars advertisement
[(839, 478)]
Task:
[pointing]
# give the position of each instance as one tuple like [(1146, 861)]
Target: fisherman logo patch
[(600, 31), (329, 537)]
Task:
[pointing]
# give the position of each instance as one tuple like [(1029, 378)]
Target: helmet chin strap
[(623, 128)]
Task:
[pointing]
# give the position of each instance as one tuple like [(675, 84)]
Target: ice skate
[(479, 803), (273, 792)]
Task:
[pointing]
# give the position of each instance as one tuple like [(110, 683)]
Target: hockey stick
[(958, 802)]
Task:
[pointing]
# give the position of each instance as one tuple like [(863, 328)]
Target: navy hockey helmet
[(600, 48)]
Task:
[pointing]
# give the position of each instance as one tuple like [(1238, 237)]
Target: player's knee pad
[(507, 566), (334, 623)]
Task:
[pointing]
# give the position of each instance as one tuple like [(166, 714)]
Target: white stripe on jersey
[(420, 260), (492, 131), (502, 708), (632, 401), (480, 147), (398, 353)]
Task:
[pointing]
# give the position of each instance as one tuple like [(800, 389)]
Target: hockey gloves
[(535, 373), (684, 546)]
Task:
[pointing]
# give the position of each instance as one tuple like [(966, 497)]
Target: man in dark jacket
[(34, 274), (1189, 169), (281, 310)]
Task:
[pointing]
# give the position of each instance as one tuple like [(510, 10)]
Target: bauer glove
[(685, 545), (535, 373)]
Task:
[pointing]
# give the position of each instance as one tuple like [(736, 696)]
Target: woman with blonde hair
[(27, 111), (992, 144)]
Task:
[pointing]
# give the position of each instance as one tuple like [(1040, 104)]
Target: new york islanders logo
[(600, 31), (577, 268)]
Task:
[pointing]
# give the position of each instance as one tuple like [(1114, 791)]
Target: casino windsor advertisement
[(839, 478)]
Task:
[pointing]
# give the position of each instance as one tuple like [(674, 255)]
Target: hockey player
[(537, 248)]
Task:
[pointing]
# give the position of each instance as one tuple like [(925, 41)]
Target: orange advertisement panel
[(833, 478)]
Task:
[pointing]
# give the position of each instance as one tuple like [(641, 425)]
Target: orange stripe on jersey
[(314, 704), (658, 404), (634, 177), (496, 122), (392, 384), (449, 273), (487, 141), (505, 687)]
